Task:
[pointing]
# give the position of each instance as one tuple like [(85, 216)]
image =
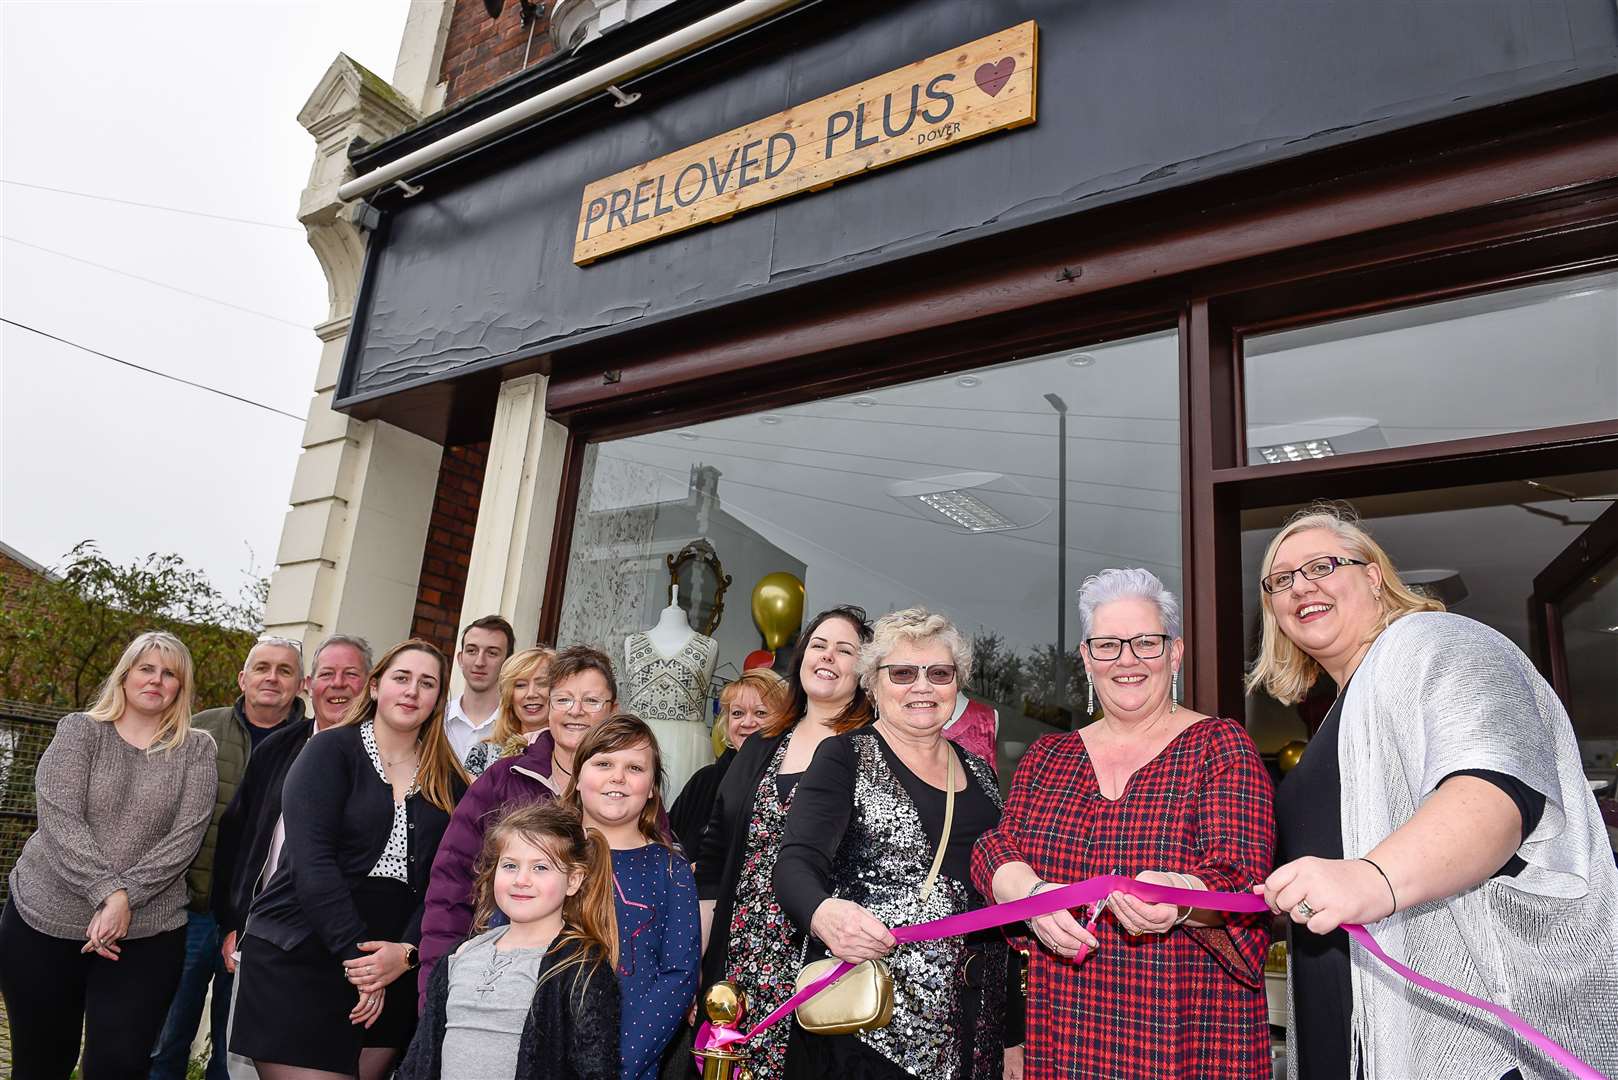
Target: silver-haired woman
[(1156, 791), (1443, 799), (860, 855)]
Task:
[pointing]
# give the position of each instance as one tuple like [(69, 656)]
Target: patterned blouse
[(763, 960), (394, 862), (1189, 1003)]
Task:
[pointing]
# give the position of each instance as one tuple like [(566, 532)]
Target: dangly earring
[(1090, 696), (1174, 693)]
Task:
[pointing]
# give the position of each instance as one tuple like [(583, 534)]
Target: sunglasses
[(905, 674)]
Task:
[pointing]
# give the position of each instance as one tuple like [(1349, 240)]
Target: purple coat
[(506, 784)]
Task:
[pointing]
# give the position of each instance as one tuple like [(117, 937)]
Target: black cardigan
[(689, 815), (724, 842), (340, 818), (248, 824), (571, 1032)]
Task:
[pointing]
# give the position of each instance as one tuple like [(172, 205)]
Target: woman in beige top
[(93, 936)]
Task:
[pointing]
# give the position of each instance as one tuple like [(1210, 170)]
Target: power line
[(151, 281), (154, 206), (150, 371)]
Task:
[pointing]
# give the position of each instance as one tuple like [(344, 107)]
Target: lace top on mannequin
[(669, 668)]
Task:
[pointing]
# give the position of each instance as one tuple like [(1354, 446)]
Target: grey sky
[(183, 105)]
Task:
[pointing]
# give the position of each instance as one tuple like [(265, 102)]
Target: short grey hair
[(278, 642), (913, 625), (1135, 584), (357, 643)]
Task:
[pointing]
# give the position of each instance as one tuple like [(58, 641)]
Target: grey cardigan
[(1438, 693), (113, 817)]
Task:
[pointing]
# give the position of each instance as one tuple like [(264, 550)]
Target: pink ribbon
[(1093, 890)]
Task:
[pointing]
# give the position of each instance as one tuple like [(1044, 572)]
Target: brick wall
[(481, 51), (442, 585)]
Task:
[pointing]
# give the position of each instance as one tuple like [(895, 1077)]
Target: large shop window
[(1509, 361), (1478, 549), (943, 493)]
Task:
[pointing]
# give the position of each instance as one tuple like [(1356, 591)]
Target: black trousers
[(52, 991)]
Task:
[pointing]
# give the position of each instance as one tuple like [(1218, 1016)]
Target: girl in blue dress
[(616, 784)]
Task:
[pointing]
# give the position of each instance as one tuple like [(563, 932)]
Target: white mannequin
[(672, 630), (669, 668)]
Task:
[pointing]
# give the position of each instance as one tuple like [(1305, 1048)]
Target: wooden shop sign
[(984, 86)]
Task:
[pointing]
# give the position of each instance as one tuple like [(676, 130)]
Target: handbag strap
[(949, 818)]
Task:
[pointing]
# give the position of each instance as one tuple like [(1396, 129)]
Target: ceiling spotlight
[(864, 402), (969, 381), (769, 419), (1082, 359), (687, 436)]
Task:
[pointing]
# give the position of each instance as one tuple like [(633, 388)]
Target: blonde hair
[(175, 723), (589, 917), (523, 665), (913, 625), (1285, 671), (772, 694), (440, 766)]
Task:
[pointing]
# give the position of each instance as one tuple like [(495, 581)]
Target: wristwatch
[(412, 957)]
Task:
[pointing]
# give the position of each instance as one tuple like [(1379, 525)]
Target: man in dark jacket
[(270, 679)]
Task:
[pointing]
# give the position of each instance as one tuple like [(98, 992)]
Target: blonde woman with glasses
[(93, 936), (1442, 801)]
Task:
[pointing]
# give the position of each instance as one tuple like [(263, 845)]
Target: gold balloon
[(778, 607), (1290, 755)]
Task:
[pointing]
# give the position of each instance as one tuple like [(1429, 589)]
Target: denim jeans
[(202, 962)]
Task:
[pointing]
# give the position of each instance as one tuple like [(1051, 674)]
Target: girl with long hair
[(328, 940), (92, 939), (535, 998), (616, 785)]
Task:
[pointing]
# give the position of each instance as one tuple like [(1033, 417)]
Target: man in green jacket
[(269, 681)]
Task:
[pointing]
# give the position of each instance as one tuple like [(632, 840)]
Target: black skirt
[(292, 1005)]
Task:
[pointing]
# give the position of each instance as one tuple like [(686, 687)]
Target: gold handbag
[(862, 1000)]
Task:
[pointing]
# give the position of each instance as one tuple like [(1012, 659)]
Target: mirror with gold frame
[(702, 582)]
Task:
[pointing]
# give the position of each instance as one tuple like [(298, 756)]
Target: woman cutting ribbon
[(1154, 791), (1444, 796), (881, 834)]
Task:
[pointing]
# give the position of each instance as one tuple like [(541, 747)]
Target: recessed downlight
[(864, 402), (687, 436), (969, 381), (1082, 359), (769, 418)]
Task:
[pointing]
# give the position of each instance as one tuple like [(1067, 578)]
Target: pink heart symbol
[(992, 78)]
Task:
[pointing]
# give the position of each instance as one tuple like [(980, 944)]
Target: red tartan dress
[(1189, 1003)]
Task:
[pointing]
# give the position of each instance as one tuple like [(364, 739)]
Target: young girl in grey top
[(93, 936), (536, 998)]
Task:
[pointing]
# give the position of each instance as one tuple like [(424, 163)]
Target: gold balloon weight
[(778, 608), (725, 1003)]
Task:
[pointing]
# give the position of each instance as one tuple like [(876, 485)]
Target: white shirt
[(462, 733)]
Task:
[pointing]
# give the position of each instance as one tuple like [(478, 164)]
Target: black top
[(1309, 821), (248, 823), (724, 842), (342, 813), (689, 815), (571, 1032)]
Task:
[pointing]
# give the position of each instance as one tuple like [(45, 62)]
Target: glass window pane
[(1515, 360), (1478, 549), (943, 493)]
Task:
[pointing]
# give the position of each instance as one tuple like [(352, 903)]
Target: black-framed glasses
[(905, 674), (1144, 646), (1314, 570)]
